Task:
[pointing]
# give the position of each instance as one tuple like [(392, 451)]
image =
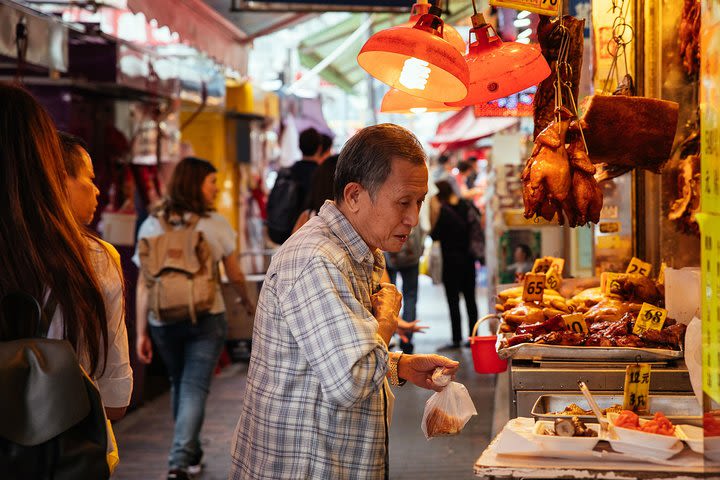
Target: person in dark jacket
[(448, 217)]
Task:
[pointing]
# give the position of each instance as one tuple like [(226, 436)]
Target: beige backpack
[(179, 272)]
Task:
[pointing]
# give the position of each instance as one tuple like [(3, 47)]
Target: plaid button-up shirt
[(315, 406)]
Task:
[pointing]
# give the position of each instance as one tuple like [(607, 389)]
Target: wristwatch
[(393, 367)]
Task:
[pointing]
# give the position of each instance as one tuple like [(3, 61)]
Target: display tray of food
[(531, 330), (677, 408)]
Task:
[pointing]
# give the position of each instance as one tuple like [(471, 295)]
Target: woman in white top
[(116, 382), (189, 350), (43, 251)]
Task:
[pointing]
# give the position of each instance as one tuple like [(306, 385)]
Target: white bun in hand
[(439, 378)]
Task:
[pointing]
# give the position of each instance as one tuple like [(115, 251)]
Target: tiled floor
[(144, 435)]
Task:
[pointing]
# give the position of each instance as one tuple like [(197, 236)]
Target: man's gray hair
[(367, 157)]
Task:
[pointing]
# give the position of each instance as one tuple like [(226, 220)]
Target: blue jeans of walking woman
[(190, 353)]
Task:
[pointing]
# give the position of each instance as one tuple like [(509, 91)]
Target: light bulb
[(418, 110), (415, 74), (523, 14), (525, 33), (522, 22)]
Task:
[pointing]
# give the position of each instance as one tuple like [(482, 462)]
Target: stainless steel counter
[(530, 379)]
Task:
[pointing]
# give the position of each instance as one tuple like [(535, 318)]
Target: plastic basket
[(485, 358)]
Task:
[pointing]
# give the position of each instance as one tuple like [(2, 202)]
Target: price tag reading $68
[(649, 318), (638, 266), (576, 323), (637, 387), (534, 287)]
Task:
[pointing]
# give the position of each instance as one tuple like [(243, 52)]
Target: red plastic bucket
[(485, 358)]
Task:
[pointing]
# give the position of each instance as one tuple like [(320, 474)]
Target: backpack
[(52, 418), (411, 252), (179, 272), (476, 244), (283, 206)]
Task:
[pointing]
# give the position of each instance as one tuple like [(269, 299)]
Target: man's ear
[(351, 196)]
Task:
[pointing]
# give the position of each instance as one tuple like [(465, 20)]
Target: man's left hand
[(404, 328), (418, 369)]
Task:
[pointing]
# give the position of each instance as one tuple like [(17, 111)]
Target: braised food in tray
[(575, 409)]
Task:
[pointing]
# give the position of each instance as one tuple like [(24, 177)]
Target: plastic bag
[(447, 412)]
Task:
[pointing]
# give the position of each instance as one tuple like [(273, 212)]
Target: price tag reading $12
[(534, 287), (638, 266), (649, 318), (576, 323), (637, 387)]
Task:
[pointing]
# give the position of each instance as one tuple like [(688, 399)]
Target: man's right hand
[(143, 348), (386, 307)]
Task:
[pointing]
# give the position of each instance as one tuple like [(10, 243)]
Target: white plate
[(638, 437), (556, 443), (643, 451), (691, 435)]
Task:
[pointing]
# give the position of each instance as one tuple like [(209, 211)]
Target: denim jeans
[(410, 293), (190, 353)]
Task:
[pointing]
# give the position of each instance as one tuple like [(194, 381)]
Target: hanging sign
[(576, 323), (534, 287), (649, 318), (543, 7), (638, 266), (637, 387)]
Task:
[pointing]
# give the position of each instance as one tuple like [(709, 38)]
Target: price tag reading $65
[(637, 387), (649, 318), (534, 287)]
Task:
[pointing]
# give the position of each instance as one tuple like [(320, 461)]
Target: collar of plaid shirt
[(341, 227)]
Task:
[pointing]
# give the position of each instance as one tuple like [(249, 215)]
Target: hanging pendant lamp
[(449, 33), (417, 60), (396, 101), (499, 69)]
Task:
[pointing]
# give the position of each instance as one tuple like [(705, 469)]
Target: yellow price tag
[(609, 284), (638, 266), (534, 287), (543, 7), (637, 387), (552, 279), (576, 323), (558, 264), (649, 318), (541, 265), (661, 275)]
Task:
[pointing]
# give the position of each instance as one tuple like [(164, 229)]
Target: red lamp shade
[(417, 61), (396, 101), (449, 33), (499, 69)]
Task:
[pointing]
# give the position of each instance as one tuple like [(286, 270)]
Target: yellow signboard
[(637, 387), (534, 287), (576, 323), (638, 266), (710, 289), (649, 318), (543, 7)]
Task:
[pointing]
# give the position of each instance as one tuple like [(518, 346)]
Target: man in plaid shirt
[(317, 403)]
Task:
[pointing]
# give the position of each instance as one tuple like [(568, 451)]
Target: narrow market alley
[(144, 435)]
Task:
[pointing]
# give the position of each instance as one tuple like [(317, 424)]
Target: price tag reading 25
[(534, 287), (637, 387), (649, 318), (638, 266)]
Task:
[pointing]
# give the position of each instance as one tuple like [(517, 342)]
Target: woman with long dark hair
[(45, 253), (190, 349)]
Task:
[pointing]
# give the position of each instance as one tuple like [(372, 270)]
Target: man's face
[(82, 191), (386, 222)]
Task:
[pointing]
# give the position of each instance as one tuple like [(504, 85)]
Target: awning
[(201, 27), (463, 129), (344, 71)]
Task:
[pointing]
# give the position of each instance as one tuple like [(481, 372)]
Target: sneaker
[(178, 474), (195, 469)]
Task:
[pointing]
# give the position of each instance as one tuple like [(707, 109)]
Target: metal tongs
[(595, 408)]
